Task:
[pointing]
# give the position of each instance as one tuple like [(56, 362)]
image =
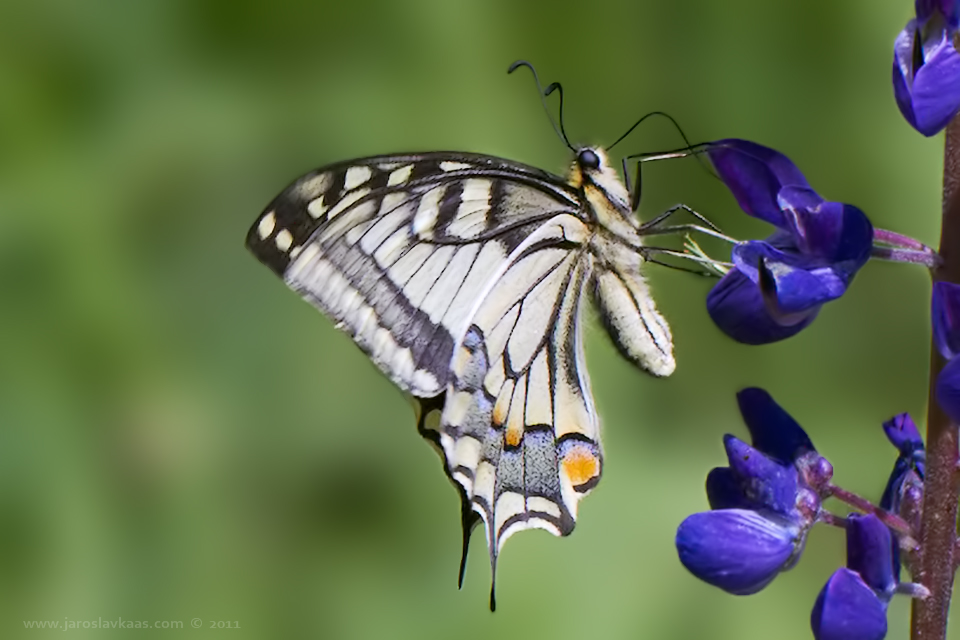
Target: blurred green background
[(183, 438)]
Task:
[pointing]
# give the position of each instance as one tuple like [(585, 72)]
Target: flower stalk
[(927, 259), (895, 239), (896, 247), (904, 531), (938, 529)]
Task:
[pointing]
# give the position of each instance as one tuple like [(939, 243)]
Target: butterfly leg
[(637, 183), (655, 226), (715, 268)]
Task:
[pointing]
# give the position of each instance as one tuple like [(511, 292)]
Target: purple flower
[(738, 550), (903, 434), (948, 390), (853, 603), (763, 502), (909, 469), (945, 315), (926, 66), (779, 284), (772, 430)]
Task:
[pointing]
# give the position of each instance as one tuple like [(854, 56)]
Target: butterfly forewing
[(463, 277), (397, 248)]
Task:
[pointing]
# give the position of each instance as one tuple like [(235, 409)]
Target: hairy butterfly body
[(463, 277)]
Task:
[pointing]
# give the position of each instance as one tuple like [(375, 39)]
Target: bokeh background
[(184, 438)]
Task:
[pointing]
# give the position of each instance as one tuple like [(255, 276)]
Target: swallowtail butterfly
[(463, 277)]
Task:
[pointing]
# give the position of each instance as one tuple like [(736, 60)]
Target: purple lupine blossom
[(779, 284), (945, 316), (853, 603), (910, 468), (763, 504), (926, 66), (738, 550)]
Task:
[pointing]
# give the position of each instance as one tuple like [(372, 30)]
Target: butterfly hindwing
[(518, 429)]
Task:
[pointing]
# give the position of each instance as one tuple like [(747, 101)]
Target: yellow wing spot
[(316, 208), (311, 188), (513, 435), (580, 466), (399, 176), (284, 240), (450, 165), (500, 411), (355, 177), (266, 226), (502, 407), (515, 424)]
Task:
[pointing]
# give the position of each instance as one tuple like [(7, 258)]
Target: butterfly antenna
[(560, 131), (694, 149), (556, 86), (640, 121)]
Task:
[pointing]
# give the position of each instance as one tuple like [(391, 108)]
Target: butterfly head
[(601, 184)]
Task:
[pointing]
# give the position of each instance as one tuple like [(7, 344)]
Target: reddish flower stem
[(926, 258), (938, 526), (895, 239), (833, 520), (904, 530)]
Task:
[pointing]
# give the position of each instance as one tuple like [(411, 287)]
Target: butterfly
[(464, 278)]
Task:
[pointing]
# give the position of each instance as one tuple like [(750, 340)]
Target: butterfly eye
[(588, 159)]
